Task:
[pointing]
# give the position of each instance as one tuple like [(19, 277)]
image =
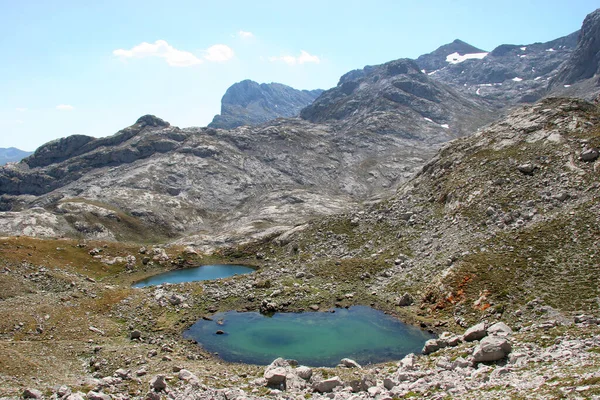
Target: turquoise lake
[(318, 339), (203, 273)]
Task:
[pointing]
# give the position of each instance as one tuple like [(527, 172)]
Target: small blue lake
[(318, 339), (203, 273)]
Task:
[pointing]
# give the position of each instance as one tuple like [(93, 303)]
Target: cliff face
[(250, 103)]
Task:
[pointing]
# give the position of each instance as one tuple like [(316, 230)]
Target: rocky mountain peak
[(437, 59), (151, 121), (250, 103), (585, 59)]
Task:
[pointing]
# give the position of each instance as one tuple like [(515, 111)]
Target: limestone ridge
[(584, 62), (12, 154), (507, 75), (397, 98), (64, 160), (250, 103)]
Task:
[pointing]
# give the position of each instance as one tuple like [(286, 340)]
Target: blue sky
[(94, 67)]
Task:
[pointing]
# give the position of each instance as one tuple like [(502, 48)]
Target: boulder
[(135, 334), (491, 348), (327, 385), (363, 384), (187, 376), (32, 394), (349, 363), (389, 383), (499, 329), (589, 155), (304, 372), (275, 376), (476, 332), (75, 396), (526, 169), (91, 395), (430, 346), (122, 373), (409, 362), (404, 300), (158, 383)]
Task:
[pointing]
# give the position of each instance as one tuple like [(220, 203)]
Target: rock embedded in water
[(349, 363), (476, 332), (491, 348), (327, 385)]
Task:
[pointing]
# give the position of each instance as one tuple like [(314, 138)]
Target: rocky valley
[(458, 192)]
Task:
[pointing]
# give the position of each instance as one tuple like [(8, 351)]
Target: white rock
[(275, 376), (491, 348), (304, 372), (475, 332), (499, 329), (327, 385), (187, 376), (349, 363)]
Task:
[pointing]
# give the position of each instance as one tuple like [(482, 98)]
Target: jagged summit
[(250, 103), (397, 98), (438, 58)]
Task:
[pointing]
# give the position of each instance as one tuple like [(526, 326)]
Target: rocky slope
[(396, 97), (488, 225), (215, 186), (12, 154), (440, 57), (251, 103), (580, 74), (507, 75), (501, 226)]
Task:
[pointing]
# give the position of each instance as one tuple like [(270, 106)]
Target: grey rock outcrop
[(584, 62), (251, 103), (391, 97), (507, 75)]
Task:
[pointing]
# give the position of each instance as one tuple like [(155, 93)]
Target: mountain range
[(351, 143), (12, 154), (457, 192)]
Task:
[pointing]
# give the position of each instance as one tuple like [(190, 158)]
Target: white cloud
[(162, 49), (303, 58), (218, 53), (21, 109), (65, 107), (245, 35)]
